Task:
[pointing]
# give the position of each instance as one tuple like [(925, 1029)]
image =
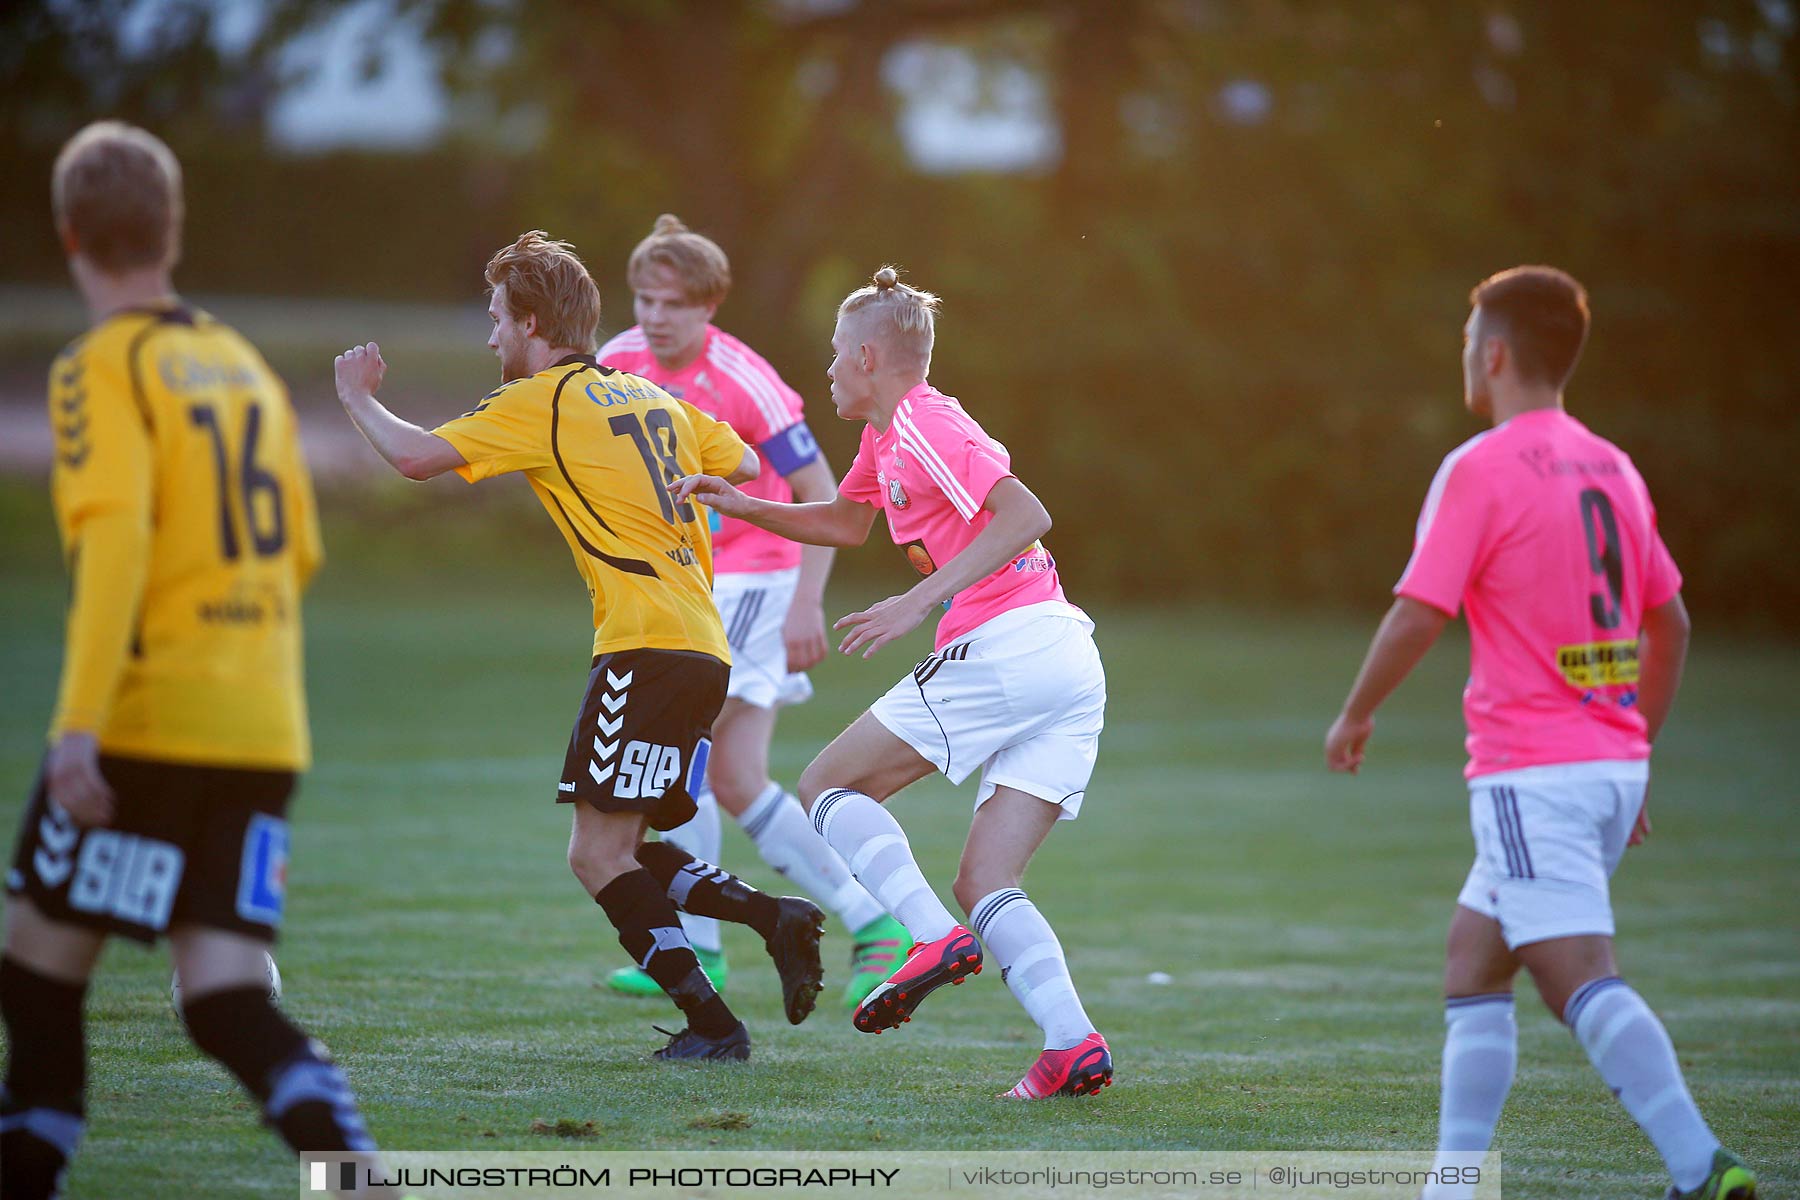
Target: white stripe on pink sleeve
[(628, 342), (755, 384), (935, 466)]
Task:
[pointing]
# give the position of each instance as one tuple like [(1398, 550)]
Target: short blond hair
[(117, 189), (546, 279), (695, 259), (905, 314)]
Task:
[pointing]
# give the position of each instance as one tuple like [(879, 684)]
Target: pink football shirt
[(732, 383), (1546, 534), (931, 470)]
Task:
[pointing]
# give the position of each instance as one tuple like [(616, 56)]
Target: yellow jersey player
[(600, 448), (187, 518)]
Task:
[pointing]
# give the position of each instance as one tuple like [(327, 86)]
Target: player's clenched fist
[(713, 492), (359, 371)]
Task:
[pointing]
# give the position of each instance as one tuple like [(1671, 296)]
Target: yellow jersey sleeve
[(508, 431), (101, 486), (721, 449)]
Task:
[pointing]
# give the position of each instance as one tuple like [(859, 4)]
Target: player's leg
[(603, 854), (866, 764), (43, 1108), (225, 917), (844, 789), (1481, 1037), (700, 837), (790, 926), (1564, 831), (1578, 977), (1008, 828), (738, 773), (230, 1017)]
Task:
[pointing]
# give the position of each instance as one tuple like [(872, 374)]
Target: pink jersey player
[(735, 384), (930, 470), (1546, 533), (1014, 688)]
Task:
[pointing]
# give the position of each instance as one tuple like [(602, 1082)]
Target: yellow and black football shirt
[(600, 448), (188, 522)]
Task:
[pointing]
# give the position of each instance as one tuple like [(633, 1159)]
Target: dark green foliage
[(1225, 354)]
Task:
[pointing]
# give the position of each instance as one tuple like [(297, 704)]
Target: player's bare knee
[(734, 787), (1553, 992), (1475, 975), (973, 884), (812, 781), (596, 866)]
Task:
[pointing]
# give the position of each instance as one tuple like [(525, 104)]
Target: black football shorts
[(187, 845), (641, 741)]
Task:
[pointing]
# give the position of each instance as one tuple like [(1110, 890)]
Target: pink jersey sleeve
[(1451, 536), (762, 405), (1662, 578), (961, 461), (859, 482)]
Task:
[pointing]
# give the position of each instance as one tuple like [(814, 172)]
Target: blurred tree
[(1231, 303)]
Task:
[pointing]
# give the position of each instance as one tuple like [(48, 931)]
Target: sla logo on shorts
[(646, 770), (126, 876), (262, 873)]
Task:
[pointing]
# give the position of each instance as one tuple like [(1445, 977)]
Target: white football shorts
[(1547, 840), (1022, 696), (754, 606)]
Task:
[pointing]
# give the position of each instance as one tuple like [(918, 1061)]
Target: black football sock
[(650, 930), (42, 1110), (708, 891), (304, 1096)]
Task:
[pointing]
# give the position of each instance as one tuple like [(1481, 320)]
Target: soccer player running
[(599, 448), (1546, 534), (1014, 687), (770, 593), (187, 519)]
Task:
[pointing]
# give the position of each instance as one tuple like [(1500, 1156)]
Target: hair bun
[(668, 223), (886, 278)]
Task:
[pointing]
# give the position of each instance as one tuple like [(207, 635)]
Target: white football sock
[(1032, 964), (1481, 1052), (1632, 1052), (700, 837), (788, 842), (873, 844)]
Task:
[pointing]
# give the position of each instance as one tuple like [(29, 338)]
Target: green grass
[(438, 943)]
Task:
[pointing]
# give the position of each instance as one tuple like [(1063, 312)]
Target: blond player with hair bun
[(769, 591), (1014, 685)]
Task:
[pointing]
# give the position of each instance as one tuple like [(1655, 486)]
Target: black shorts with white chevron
[(642, 738)]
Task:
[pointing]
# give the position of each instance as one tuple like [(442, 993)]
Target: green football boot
[(634, 982), (1730, 1180), (880, 948)]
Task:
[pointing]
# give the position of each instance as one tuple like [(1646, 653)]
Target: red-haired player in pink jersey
[(1545, 533), (1014, 687), (769, 591)]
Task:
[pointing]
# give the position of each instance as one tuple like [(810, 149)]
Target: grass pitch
[(438, 943)]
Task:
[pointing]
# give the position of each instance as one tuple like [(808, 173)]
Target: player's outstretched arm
[(1406, 633), (803, 629), (1662, 649), (410, 450), (835, 522), (1019, 519)]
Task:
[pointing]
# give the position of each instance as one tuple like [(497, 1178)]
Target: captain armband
[(791, 449)]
